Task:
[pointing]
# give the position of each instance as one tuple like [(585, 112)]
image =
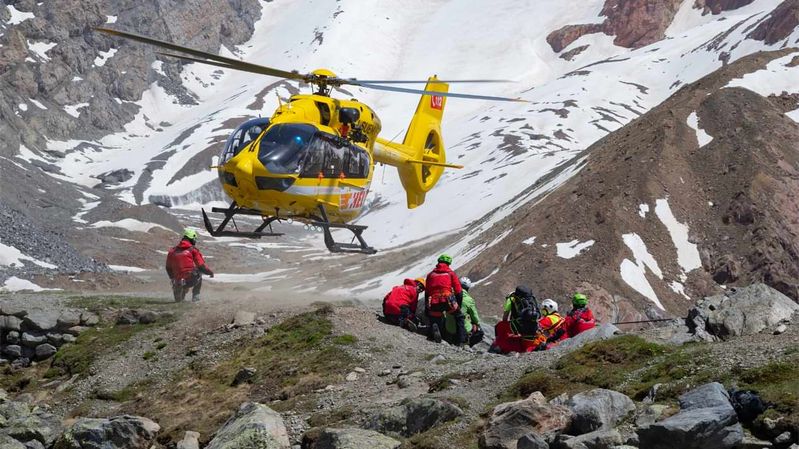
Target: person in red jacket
[(580, 318), (444, 294), (185, 266), (399, 305)]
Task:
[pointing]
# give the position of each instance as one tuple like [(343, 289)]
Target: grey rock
[(34, 444), (780, 329), (244, 375), (41, 319), (45, 351), (6, 442), (147, 316), (89, 319), (68, 319), (31, 340), (12, 350), (783, 438), (347, 438), (702, 428), (127, 316), (77, 330), (55, 339), (512, 420), (601, 332), (531, 441), (598, 439), (10, 322), (13, 309), (118, 432), (413, 416), (25, 422), (67, 338), (750, 442), (191, 440), (598, 409), (252, 423), (12, 337), (743, 311), (21, 362), (708, 395), (243, 318), (351, 377), (649, 414)]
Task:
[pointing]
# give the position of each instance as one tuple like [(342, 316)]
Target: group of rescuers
[(450, 310), (452, 315)]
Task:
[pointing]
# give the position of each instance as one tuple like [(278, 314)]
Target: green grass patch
[(345, 340), (76, 358), (160, 346), (102, 302), (777, 382), (148, 355)]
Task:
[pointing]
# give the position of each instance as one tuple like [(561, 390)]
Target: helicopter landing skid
[(230, 213), (336, 247)]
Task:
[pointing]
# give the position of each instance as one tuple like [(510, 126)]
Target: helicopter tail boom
[(420, 158)]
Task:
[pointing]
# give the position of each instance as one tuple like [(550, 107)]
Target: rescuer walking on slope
[(444, 294), (185, 266)]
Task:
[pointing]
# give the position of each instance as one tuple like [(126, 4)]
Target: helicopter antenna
[(279, 102)]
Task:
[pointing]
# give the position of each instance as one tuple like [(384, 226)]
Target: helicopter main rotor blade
[(358, 82), (197, 60), (231, 63), (440, 94)]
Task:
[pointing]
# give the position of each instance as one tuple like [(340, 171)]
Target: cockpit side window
[(242, 136), (283, 147)]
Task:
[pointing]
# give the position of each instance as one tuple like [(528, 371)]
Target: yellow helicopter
[(313, 159)]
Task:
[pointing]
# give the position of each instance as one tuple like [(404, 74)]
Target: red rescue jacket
[(442, 284), (579, 320), (184, 259), (401, 295)]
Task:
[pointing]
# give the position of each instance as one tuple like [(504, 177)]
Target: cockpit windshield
[(284, 146), (243, 135)]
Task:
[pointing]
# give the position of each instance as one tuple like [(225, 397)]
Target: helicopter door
[(243, 135), (357, 163)]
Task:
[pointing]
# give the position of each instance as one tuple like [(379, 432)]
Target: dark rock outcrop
[(779, 24)]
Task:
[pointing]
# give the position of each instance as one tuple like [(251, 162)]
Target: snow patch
[(678, 288), (529, 241), (643, 209), (41, 49), (128, 223), (12, 257), (104, 57), (37, 104), (158, 67), (571, 249), (250, 277), (23, 107), (701, 136), (111, 19), (687, 253), (127, 268), (15, 284), (74, 108), (18, 16), (634, 273)]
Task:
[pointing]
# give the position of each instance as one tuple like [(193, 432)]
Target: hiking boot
[(195, 298), (411, 326), (436, 334)]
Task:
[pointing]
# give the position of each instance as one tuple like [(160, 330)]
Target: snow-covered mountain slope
[(513, 153)]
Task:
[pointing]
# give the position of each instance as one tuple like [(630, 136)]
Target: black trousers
[(180, 288), (397, 320)]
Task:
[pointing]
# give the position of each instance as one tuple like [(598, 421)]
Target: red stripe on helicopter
[(352, 200)]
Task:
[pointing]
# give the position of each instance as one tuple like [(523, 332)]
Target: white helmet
[(549, 306), (466, 283)]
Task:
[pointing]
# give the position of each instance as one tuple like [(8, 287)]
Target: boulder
[(10, 322), (31, 340), (531, 441), (55, 339), (598, 409), (76, 330), (12, 337), (41, 319), (244, 375), (118, 432), (243, 318), (13, 309), (253, 423), (743, 311), (349, 438), (127, 316), (27, 423), (147, 316), (601, 332), (512, 420), (45, 351), (12, 350), (705, 396), (598, 439), (703, 428), (68, 319), (89, 319), (191, 440), (413, 416), (6, 442)]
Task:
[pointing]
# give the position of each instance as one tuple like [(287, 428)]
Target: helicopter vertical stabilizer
[(420, 158)]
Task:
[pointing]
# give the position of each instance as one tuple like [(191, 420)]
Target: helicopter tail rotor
[(420, 158)]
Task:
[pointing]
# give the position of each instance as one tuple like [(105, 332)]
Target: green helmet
[(579, 300), (445, 258), (190, 234)]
